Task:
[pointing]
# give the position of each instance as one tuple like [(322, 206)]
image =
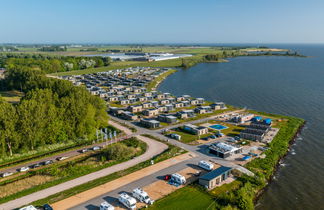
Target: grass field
[(231, 130), (189, 138), (126, 64), (186, 198)]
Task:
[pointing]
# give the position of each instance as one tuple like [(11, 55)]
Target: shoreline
[(277, 166), (173, 63)]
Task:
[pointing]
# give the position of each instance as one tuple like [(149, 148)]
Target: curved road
[(154, 148)]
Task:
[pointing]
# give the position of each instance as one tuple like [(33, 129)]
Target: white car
[(61, 158), (22, 169), (7, 174), (106, 206), (96, 148)]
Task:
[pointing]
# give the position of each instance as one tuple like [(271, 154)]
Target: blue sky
[(163, 21)]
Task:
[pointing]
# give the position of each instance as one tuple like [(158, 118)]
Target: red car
[(167, 177)]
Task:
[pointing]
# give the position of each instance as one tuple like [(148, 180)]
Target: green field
[(127, 64), (189, 138), (186, 198)]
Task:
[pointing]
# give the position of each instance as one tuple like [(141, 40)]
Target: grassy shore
[(154, 84)]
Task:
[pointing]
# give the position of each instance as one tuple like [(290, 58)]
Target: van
[(206, 165)]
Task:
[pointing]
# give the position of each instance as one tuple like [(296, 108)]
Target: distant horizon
[(161, 43), (145, 21)]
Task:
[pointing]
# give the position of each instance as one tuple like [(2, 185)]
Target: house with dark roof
[(215, 177)]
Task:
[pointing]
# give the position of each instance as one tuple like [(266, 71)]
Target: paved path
[(154, 148)]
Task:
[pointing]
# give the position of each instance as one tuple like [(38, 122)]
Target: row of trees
[(53, 48), (52, 111), (51, 64)]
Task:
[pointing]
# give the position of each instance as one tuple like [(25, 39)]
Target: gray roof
[(215, 173)]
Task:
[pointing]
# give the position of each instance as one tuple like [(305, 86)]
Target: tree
[(119, 152), (8, 132)]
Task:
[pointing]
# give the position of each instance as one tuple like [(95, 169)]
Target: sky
[(163, 21)]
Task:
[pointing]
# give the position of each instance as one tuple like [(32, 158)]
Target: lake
[(282, 85)]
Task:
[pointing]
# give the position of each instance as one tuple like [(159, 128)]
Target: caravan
[(142, 196), (127, 201), (177, 178), (206, 165), (106, 206)]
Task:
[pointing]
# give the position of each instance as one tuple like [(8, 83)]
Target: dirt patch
[(23, 184)]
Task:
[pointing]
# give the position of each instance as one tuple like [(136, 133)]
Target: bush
[(119, 152)]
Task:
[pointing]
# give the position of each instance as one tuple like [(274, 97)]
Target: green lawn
[(185, 198), (187, 137), (225, 188), (231, 130)]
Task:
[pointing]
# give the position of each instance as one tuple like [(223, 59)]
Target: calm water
[(283, 85)]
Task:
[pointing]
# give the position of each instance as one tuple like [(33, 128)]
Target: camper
[(206, 165), (106, 206), (142, 196), (177, 178), (127, 201)]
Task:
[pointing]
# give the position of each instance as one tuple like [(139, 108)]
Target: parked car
[(5, 174), (22, 169), (167, 177), (36, 165), (96, 148), (61, 158), (47, 207), (253, 154), (237, 138), (84, 150), (47, 162), (231, 139)]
